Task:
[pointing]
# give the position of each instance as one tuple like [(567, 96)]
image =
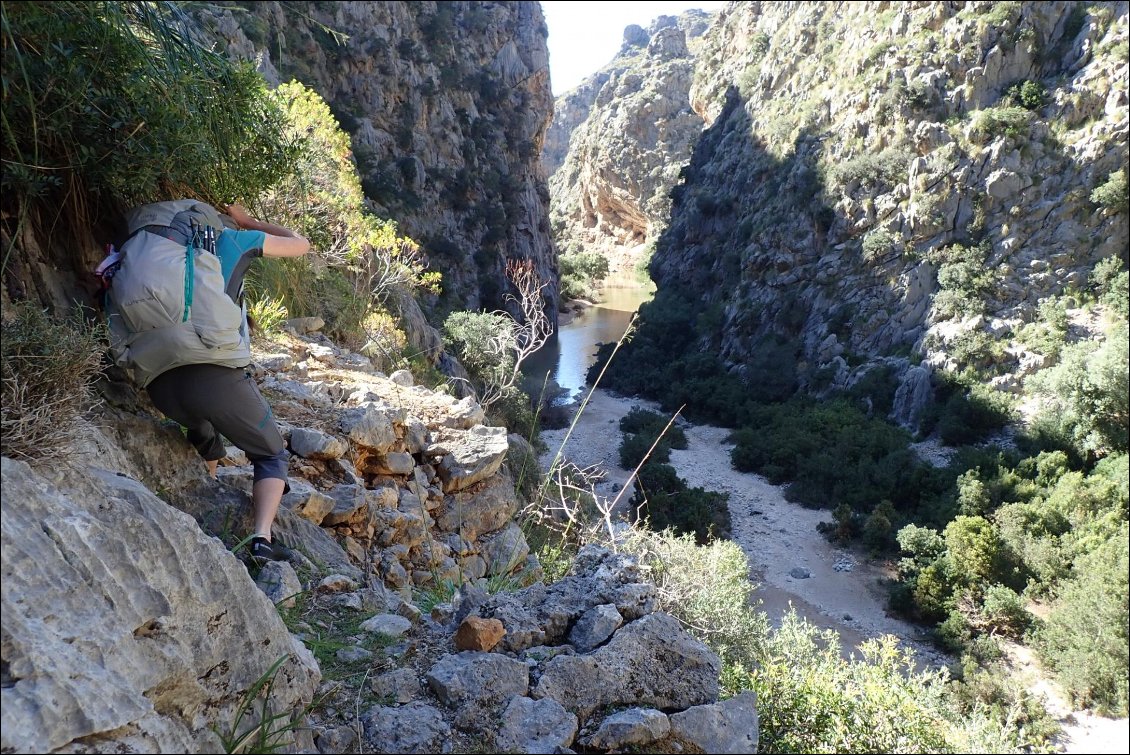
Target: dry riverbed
[(793, 564)]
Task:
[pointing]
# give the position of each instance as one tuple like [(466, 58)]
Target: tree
[(493, 345)]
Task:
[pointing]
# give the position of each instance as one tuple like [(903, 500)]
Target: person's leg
[(266, 494), (172, 393), (244, 417)]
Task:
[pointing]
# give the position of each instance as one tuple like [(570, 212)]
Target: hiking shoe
[(263, 550)]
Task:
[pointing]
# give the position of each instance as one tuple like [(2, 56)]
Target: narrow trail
[(843, 589)]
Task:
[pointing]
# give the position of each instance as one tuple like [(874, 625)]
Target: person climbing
[(195, 367)]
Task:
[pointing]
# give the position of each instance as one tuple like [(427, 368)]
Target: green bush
[(1001, 121), (1085, 396), (878, 243), (964, 276), (1086, 639), (475, 338), (113, 104), (885, 169), (580, 273), (1113, 194), (664, 501), (47, 368), (1029, 95)]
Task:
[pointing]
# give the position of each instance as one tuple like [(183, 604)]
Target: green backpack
[(167, 306)]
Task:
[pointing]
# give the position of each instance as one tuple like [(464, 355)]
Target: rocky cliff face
[(627, 132), (892, 178), (447, 105)]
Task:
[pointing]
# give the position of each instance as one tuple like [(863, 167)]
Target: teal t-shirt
[(237, 250)]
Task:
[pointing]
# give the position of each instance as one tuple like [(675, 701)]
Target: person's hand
[(239, 214)]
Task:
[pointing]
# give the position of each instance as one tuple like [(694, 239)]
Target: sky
[(584, 35)]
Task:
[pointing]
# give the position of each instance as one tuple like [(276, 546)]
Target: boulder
[(535, 726), (388, 625), (280, 583), (726, 727), (398, 686), (122, 619), (469, 457), (478, 680), (483, 509), (415, 727), (652, 662), (369, 426), (505, 550), (594, 627), (315, 444), (476, 633), (635, 726)]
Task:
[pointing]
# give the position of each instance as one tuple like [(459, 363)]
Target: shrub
[(1085, 395), (114, 103), (885, 169), (663, 499), (1028, 94), (385, 342), (1086, 638), (47, 368), (1001, 121), (267, 314), (878, 243), (475, 338), (964, 275), (812, 700), (1113, 194)]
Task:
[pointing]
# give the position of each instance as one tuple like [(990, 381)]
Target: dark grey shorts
[(210, 401)]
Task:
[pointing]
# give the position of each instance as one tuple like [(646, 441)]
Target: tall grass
[(111, 104), (46, 369)]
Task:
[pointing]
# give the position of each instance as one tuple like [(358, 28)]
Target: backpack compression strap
[(189, 279)]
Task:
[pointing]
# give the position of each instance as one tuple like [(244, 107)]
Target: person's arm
[(278, 242)]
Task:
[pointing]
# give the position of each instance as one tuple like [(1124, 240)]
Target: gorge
[(889, 251)]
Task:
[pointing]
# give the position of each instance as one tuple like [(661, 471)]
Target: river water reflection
[(568, 355)]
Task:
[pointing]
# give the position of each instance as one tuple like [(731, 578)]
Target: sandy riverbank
[(842, 591)]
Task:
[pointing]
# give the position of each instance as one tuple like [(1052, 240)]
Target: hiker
[(208, 389)]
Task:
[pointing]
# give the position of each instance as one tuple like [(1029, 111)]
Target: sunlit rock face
[(861, 160), (447, 105), (619, 140)]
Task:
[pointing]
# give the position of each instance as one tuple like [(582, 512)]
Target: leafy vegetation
[(580, 273), (108, 105), (1113, 194), (361, 265), (809, 697)]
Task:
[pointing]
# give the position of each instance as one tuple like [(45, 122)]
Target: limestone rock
[(159, 608), (482, 509), (594, 627), (307, 502), (471, 679), (415, 727), (649, 662), (726, 727), (402, 378), (388, 625), (635, 726), (279, 583), (505, 550), (303, 325), (398, 686), (314, 444), (470, 457), (476, 633), (369, 426), (535, 726)]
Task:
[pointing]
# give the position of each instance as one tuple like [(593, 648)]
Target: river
[(568, 355)]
